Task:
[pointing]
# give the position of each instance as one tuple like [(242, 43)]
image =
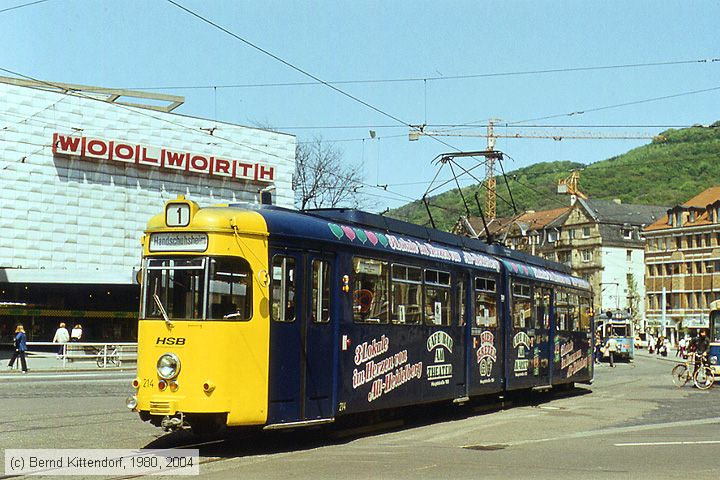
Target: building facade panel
[(74, 216)]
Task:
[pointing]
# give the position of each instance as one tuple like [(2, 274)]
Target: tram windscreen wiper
[(162, 309)]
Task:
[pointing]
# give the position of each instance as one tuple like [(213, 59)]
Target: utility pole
[(491, 192)]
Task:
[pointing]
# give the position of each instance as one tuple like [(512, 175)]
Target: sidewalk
[(670, 356), (44, 364)]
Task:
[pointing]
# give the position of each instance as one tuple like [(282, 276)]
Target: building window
[(564, 257), (678, 242), (586, 232), (552, 236), (627, 233), (628, 255), (586, 255), (571, 234)]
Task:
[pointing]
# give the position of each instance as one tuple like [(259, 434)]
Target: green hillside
[(676, 166)]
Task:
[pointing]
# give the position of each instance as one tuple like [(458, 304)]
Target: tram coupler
[(171, 424)]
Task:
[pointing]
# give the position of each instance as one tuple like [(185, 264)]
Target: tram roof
[(315, 224)]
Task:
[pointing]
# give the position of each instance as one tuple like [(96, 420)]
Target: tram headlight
[(168, 366), (131, 402), (713, 360)]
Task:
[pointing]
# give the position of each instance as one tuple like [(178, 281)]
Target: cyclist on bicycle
[(699, 346)]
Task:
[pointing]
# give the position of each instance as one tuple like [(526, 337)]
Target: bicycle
[(108, 356), (697, 370)]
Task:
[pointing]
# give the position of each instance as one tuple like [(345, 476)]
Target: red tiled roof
[(533, 220), (700, 201)]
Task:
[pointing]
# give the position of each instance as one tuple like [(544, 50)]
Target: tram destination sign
[(178, 242), (166, 159)]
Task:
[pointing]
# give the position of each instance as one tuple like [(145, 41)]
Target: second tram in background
[(619, 324), (267, 317)]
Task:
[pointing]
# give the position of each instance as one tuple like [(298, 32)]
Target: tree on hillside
[(322, 179)]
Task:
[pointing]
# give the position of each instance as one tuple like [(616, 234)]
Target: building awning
[(123, 276)]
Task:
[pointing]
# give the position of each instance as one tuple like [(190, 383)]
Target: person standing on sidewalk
[(62, 336), (612, 347), (76, 334), (20, 348)]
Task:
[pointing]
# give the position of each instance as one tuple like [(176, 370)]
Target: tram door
[(543, 351), (300, 337), (318, 335)]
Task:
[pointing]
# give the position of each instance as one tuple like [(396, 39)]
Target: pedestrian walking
[(20, 348), (62, 336), (650, 343), (611, 347), (681, 348), (76, 333), (598, 348)]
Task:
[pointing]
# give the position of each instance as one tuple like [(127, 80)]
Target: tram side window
[(437, 298), (230, 293), (283, 289), (573, 312), (320, 291), (370, 290), (585, 310), (460, 300), (406, 294), (542, 308), (521, 305), (562, 313), (485, 302)]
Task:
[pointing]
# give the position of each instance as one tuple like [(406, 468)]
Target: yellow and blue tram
[(263, 316)]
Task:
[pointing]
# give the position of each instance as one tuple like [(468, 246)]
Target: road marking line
[(651, 444)]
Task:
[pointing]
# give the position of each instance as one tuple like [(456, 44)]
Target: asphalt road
[(631, 423)]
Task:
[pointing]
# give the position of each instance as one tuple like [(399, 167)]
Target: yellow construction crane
[(568, 185)]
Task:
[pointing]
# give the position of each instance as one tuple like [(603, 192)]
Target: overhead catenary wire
[(304, 72), (438, 78), (28, 4)]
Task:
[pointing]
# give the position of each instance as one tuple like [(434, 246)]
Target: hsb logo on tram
[(170, 341)]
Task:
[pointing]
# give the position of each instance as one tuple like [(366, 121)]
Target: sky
[(532, 66)]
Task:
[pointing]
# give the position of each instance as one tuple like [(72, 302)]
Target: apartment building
[(682, 265)]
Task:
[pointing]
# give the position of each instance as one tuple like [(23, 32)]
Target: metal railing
[(102, 354)]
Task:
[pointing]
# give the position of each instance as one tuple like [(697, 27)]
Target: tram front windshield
[(619, 330), (197, 288)]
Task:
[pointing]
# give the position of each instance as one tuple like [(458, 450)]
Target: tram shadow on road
[(243, 442)]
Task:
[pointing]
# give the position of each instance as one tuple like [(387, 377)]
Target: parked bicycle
[(108, 356), (696, 369)]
